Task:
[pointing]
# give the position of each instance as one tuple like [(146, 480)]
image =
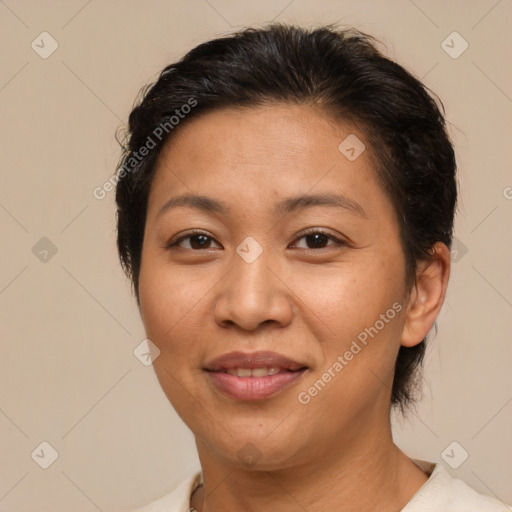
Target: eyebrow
[(288, 205)]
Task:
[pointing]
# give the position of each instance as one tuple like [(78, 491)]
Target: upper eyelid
[(337, 239), (308, 231)]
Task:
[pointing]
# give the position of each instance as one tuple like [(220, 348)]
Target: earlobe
[(427, 296)]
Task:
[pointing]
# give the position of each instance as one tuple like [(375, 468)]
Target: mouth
[(257, 372), (253, 376), (263, 359)]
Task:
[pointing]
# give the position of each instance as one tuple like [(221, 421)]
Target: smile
[(255, 372)]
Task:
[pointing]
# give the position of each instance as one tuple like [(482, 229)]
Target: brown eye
[(318, 239), (197, 241)]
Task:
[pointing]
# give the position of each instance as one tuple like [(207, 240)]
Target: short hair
[(343, 74)]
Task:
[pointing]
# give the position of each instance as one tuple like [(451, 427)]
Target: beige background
[(68, 375)]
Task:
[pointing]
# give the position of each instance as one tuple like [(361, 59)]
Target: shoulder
[(444, 493), (176, 501)]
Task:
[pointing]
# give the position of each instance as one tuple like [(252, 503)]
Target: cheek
[(358, 316), (170, 307), (351, 296), (358, 320), (169, 304)]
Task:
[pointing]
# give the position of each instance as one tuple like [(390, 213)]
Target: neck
[(359, 472)]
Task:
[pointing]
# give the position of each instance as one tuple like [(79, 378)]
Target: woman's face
[(261, 276)]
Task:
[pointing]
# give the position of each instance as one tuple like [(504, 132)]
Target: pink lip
[(252, 360), (253, 388)]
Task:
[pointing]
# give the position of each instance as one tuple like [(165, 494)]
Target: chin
[(256, 451)]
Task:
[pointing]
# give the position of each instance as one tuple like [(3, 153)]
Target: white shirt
[(440, 493)]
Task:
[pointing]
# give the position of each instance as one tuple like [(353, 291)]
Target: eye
[(197, 240), (318, 237)]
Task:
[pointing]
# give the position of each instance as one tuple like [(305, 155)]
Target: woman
[(285, 212)]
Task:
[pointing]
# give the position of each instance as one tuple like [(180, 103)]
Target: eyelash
[(310, 231)]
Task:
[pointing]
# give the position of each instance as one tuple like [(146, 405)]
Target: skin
[(305, 302)]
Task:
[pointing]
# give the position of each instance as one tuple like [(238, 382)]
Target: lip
[(253, 388), (252, 360)]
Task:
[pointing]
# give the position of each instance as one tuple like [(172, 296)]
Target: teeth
[(256, 372), (260, 372)]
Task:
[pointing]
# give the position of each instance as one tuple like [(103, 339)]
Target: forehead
[(254, 156), (281, 133)]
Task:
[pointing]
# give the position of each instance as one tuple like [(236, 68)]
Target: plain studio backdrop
[(70, 71)]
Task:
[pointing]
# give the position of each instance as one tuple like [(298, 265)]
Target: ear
[(427, 295)]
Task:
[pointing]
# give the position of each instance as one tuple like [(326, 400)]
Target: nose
[(252, 294)]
